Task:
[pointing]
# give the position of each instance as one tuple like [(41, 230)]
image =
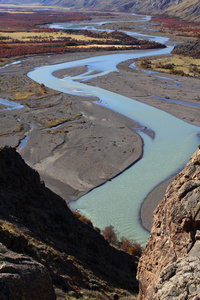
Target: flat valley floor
[(92, 144)]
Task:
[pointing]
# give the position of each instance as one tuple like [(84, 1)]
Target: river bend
[(118, 201)]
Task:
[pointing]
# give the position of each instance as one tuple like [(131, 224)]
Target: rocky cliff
[(170, 264), (23, 278), (59, 249), (56, 255)]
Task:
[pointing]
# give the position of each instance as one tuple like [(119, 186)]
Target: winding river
[(118, 201)]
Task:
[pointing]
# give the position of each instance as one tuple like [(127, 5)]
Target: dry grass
[(182, 63), (39, 36), (56, 122), (106, 46), (6, 226), (22, 95), (59, 35), (63, 130)]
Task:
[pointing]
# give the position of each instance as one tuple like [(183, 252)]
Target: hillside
[(46, 253), (36, 222), (169, 266), (184, 9), (187, 10)]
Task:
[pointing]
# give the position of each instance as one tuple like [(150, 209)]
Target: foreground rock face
[(179, 280), (36, 222), (169, 267), (23, 278)]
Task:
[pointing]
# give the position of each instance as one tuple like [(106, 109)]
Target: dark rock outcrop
[(23, 278), (169, 266), (36, 222)]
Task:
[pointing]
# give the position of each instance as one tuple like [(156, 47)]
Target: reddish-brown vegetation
[(178, 72), (29, 22), (191, 49), (177, 26), (82, 218), (110, 235), (165, 66), (24, 48), (127, 245), (146, 64), (130, 247), (43, 88)]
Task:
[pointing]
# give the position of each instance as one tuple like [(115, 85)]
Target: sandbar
[(75, 144)]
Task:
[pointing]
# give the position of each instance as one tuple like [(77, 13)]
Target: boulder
[(23, 278)]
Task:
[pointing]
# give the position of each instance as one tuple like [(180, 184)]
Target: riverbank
[(137, 84), (86, 134), (98, 137), (76, 144)]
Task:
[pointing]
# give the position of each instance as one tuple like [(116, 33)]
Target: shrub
[(146, 64), (126, 245), (177, 72), (131, 247), (110, 235), (43, 88), (168, 66), (194, 69), (83, 218)]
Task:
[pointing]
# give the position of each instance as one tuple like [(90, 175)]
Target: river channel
[(118, 201)]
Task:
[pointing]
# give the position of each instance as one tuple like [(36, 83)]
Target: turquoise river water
[(118, 201)]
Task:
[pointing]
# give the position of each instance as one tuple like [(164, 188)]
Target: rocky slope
[(169, 267), (50, 246), (36, 222), (191, 48), (23, 278), (186, 10)]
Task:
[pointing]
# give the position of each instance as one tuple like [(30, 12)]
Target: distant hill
[(184, 9), (191, 48)]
